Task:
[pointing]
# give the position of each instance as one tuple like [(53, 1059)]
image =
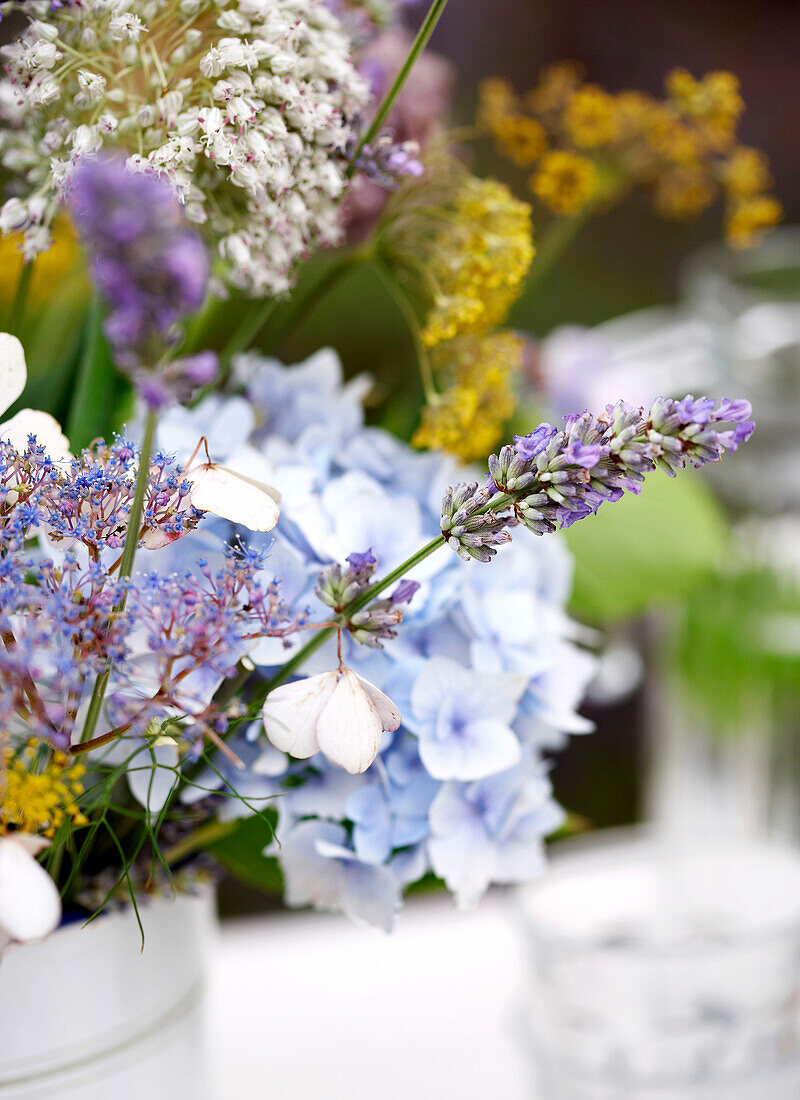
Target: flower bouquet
[(241, 625)]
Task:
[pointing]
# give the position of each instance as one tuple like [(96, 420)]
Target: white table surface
[(310, 1007)]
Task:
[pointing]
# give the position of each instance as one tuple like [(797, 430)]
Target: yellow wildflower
[(556, 84), (522, 139), (746, 172), (680, 149), (683, 193), (495, 100), (749, 219), (565, 182), (469, 416), (590, 118), (716, 94), (634, 113), (713, 102), (478, 260), (37, 800), (672, 139)]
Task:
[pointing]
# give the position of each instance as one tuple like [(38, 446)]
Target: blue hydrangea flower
[(492, 830), (390, 810), (485, 669), (320, 869), (463, 717)]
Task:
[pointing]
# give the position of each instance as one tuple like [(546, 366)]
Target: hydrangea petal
[(350, 726), (30, 906), (13, 371), (291, 712), (482, 747), (234, 497), (387, 712)]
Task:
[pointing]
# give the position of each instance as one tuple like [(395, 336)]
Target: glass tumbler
[(664, 971)]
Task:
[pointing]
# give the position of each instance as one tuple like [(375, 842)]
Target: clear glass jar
[(750, 303), (662, 971), (726, 707)]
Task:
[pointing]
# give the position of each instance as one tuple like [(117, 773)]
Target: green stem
[(303, 305), (412, 322), (322, 635), (94, 373), (142, 477), (126, 562), (245, 334), (21, 297), (200, 838), (297, 310), (554, 243), (420, 42)]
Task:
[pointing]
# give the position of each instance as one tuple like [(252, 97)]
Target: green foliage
[(241, 853), (738, 647), (645, 551)]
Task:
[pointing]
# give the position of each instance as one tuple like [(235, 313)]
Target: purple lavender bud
[(361, 562), (583, 454), (153, 392), (529, 446), (734, 411), (200, 369), (730, 440), (385, 161), (698, 412), (376, 75), (405, 591), (150, 267)]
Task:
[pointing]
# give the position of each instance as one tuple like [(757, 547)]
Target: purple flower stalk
[(337, 587), (553, 477), (151, 268)]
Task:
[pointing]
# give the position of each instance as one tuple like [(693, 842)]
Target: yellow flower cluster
[(565, 182), (587, 145), (478, 260), (459, 249), (469, 415), (37, 800)]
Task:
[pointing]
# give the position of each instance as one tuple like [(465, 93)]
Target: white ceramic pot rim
[(88, 997)]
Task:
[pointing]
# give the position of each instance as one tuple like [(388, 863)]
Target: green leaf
[(748, 618), (241, 853), (99, 389), (646, 550)]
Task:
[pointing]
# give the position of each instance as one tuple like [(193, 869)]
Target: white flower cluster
[(242, 104)]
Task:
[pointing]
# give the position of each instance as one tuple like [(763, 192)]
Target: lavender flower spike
[(469, 526), (149, 265), (553, 477)]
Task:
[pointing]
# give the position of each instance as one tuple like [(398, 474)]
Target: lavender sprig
[(553, 477), (546, 479), (150, 267)]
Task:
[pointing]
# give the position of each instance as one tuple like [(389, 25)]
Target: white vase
[(87, 1014)]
